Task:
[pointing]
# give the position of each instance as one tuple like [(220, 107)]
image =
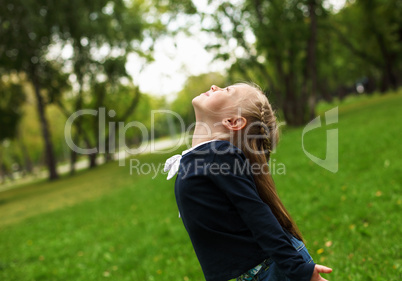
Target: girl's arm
[(268, 233)]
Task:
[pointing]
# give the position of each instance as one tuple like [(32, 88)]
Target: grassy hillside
[(107, 224)]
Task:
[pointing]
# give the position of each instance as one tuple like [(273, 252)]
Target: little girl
[(226, 197)]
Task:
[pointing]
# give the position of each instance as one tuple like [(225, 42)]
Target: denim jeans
[(272, 272)]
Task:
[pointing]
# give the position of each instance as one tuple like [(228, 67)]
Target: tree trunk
[(292, 112), (27, 158), (92, 156), (108, 157), (311, 60), (73, 160), (73, 155), (389, 78), (92, 160), (48, 146), (2, 172), (110, 147), (294, 105), (309, 87)]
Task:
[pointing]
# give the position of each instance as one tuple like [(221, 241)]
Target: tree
[(31, 31), (27, 30), (371, 32), (283, 56), (113, 26), (121, 28), (11, 101)]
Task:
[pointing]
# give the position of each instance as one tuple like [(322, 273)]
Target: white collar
[(172, 163)]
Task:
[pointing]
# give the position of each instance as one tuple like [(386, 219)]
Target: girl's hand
[(320, 269)]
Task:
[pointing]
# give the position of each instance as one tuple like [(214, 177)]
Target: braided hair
[(263, 128)]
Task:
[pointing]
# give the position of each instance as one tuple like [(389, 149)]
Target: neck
[(201, 134), (204, 131)]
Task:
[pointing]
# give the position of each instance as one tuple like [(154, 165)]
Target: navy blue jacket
[(231, 228)]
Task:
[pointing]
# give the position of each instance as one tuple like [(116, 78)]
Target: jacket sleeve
[(240, 188)]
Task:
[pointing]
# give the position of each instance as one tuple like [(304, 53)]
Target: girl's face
[(217, 99)]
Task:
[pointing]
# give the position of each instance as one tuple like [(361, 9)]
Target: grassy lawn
[(107, 224)]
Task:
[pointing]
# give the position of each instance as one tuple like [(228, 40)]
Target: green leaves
[(11, 100)]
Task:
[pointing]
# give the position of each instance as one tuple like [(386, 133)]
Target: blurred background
[(126, 58), (134, 56)]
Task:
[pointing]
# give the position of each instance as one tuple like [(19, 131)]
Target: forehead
[(244, 91)]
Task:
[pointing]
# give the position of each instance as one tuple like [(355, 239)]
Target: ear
[(234, 123)]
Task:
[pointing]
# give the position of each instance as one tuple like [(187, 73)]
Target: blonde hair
[(261, 122)]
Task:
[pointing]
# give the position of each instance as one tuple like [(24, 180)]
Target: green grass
[(107, 224)]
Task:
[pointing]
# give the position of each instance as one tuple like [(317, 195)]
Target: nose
[(214, 88)]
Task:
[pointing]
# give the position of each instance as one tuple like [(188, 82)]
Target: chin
[(197, 104), (195, 100)]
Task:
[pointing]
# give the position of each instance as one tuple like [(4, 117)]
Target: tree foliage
[(80, 48), (194, 86), (11, 100), (370, 36), (281, 53), (303, 51)]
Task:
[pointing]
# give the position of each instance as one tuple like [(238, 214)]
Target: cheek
[(207, 104), (217, 103), (223, 104)]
